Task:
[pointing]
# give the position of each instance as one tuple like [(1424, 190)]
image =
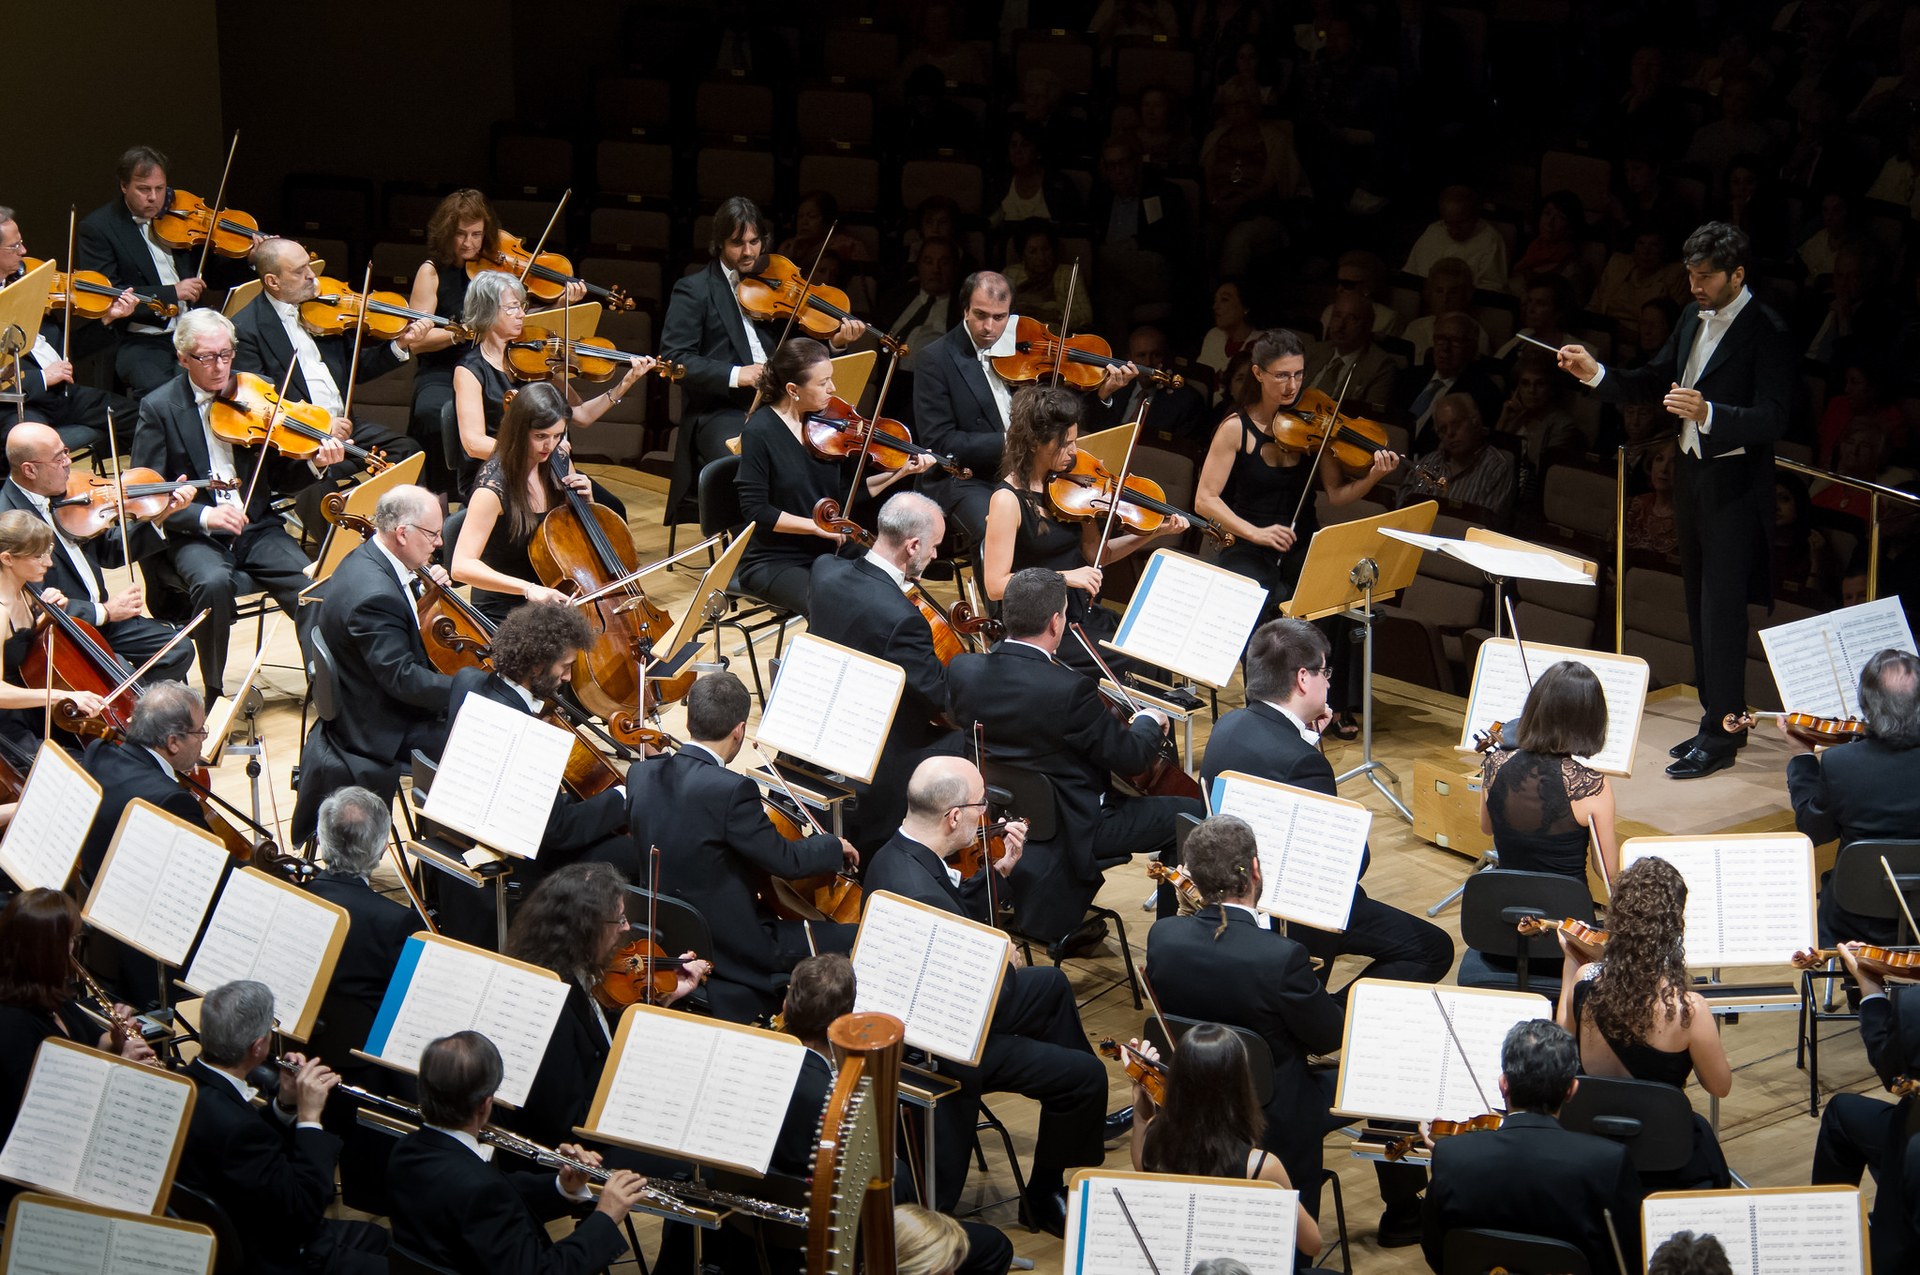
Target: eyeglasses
[(1301, 375), (1324, 670), (618, 923), (426, 531), (212, 360), (971, 805)]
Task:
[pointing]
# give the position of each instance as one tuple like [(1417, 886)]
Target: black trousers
[(1861, 1133), (207, 568), (1723, 557), (1397, 944), (137, 639), (432, 391), (781, 581), (965, 502)]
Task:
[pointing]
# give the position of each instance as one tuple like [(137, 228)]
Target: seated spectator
[(1892, 99), (930, 120), (1852, 316), (1461, 232), (1636, 426), (1250, 171), (1861, 453), (1142, 236), (1865, 400), (1448, 290), (1818, 250), (1823, 157), (1040, 282), (1643, 196), (1803, 558), (1361, 271), (1220, 28), (1657, 318), (1738, 131), (1251, 74), (929, 310), (1649, 115), (937, 217), (1232, 329), (1163, 145), (1465, 469), (1055, 126), (1631, 279), (1559, 229), (958, 61), (1650, 514), (1453, 369), (1349, 119), (1034, 191), (1898, 181), (1350, 347), (1546, 306), (1732, 63), (1536, 414), (816, 212), (1748, 201)]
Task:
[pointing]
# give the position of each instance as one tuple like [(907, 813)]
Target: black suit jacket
[(1532, 1176), (261, 346), (109, 241), (126, 772), (392, 697), (1475, 381), (1044, 717), (793, 1149), (705, 331), (563, 1088), (1259, 740), (461, 1212), (274, 1181), (1866, 789), (377, 930), (954, 408), (1165, 225), (574, 826), (716, 843), (905, 867), (168, 437), (100, 551)]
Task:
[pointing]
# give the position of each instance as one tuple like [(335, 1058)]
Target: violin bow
[(986, 847), (1899, 894), (1453, 1035), (1613, 1234), (1153, 1003), (806, 291), (866, 440), (66, 322), (805, 811), (1306, 488), (1113, 506), (219, 206), (653, 911), (274, 411), (1133, 1226), (1066, 321), (119, 494), (541, 242), (131, 678), (1133, 705), (359, 332), (1518, 645), (1833, 666)]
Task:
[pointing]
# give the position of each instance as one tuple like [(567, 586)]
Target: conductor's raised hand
[(1574, 359)]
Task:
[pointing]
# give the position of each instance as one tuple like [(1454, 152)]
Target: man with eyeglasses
[(391, 699), (228, 540)]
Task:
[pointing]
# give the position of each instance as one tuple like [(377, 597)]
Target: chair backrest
[(1259, 1053), (450, 448), (719, 497), (1472, 1251), (1495, 901), (1860, 883), (401, 1261), (1653, 1121), (680, 926), (1033, 798), (229, 1251), (450, 536), (323, 680), (424, 770)]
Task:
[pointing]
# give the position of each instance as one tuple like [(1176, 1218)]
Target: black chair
[(678, 927), (1472, 1251), (720, 511), (984, 1122), (1492, 906), (400, 1261), (229, 1252), (1032, 796), (1653, 1121), (1859, 886)]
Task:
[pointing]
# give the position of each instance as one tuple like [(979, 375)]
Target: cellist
[(26, 550)]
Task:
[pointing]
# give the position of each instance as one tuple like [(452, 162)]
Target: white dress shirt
[(885, 564), (1002, 396), (219, 457), (485, 1152), (321, 390), (1260, 918), (1307, 733), (755, 350), (401, 572), (248, 1093), (1713, 329), (162, 264)]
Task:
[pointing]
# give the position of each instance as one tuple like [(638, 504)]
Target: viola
[(1141, 1070), (1886, 962), (91, 294), (1164, 776), (1181, 881), (640, 973), (251, 411), (74, 655), (338, 310), (15, 762), (1439, 1129), (1083, 362), (1904, 1087), (1823, 732), (1085, 492), (189, 221), (546, 276), (1304, 427), (94, 502), (839, 432), (538, 355), (244, 844), (989, 844), (779, 287), (830, 896), (1579, 931)]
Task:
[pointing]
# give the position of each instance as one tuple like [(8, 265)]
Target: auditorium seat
[(633, 171), (721, 173), (531, 164), (632, 106), (958, 180), (832, 118)]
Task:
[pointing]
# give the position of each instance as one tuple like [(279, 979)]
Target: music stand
[(23, 307), (1480, 535), (1350, 566), (851, 372)]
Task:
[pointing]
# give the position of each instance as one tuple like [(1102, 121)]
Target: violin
[(338, 309), (1492, 739), (1579, 931), (538, 355), (830, 896), (188, 221), (1141, 1070), (252, 411), (1163, 776), (1822, 732), (91, 294), (988, 844), (640, 974), (946, 639), (1439, 1129), (839, 432), (1304, 428), (779, 287), (1181, 881), (546, 277), (77, 658), (1083, 363), (243, 845), (1085, 492), (1886, 962), (1904, 1087), (93, 502)]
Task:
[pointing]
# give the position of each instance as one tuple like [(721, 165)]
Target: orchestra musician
[(1024, 530), (1044, 717), (117, 240), (269, 1168), (162, 742), (1035, 1044), (216, 542), (1541, 805), (780, 480), (1727, 373), (718, 847), (496, 311), (81, 412), (40, 465), (860, 603), (462, 1212), (391, 698), (26, 553)]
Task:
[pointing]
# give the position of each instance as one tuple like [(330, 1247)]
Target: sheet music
[(1749, 898), (832, 706), (444, 987), (1816, 662), (51, 1237), (1496, 560), (498, 776), (1310, 846), (1191, 617), (1398, 1061), (938, 974), (97, 1129), (1766, 1232), (1500, 687), (690, 1087), (273, 935), (156, 883), (56, 811), (1181, 1222)]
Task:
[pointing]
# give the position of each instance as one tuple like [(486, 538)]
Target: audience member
[(1738, 131), (1462, 232), (1464, 468), (1041, 282), (1349, 351), (1361, 271), (1250, 173), (1559, 228), (1631, 279), (1232, 329), (1650, 514), (1035, 191), (1448, 290)]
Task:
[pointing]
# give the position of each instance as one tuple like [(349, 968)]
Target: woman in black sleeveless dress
[(1542, 806), (459, 226)]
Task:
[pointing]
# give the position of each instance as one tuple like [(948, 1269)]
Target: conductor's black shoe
[(1045, 1211), (1738, 739), (1699, 763), (1400, 1224), (1084, 940), (1119, 1124)]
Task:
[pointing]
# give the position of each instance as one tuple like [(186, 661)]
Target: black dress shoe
[(1082, 941), (1738, 739), (1045, 1211), (1400, 1224), (1119, 1124), (1698, 763), (1684, 747)]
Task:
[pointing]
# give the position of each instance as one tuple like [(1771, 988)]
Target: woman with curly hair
[(1634, 1012)]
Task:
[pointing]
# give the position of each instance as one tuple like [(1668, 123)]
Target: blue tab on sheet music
[(1133, 613), (1086, 1213), (396, 994)]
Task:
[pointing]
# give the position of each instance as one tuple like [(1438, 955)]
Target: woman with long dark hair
[(513, 491), (1539, 802)]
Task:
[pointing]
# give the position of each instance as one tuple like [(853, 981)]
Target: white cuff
[(583, 1196), (400, 352), (1706, 426), (1598, 377), (733, 377)]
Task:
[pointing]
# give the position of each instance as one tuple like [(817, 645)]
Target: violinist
[(860, 603), (780, 481), (1531, 1175), (718, 847), (1035, 1045), (392, 700), (117, 240), (216, 538), (1541, 805), (497, 312), (40, 466), (1870, 788), (1023, 529), (53, 396)]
